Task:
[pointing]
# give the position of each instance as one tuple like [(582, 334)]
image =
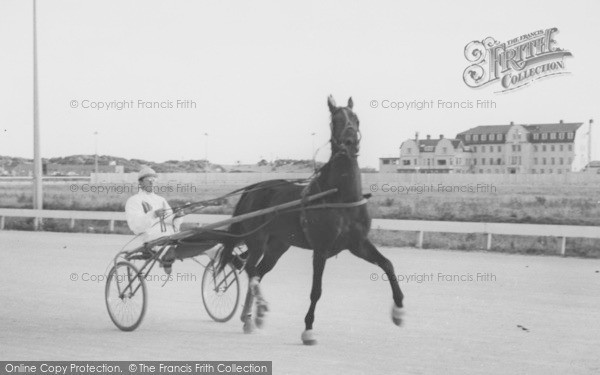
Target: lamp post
[(206, 158), (96, 155), (38, 202), (313, 151), (590, 142)]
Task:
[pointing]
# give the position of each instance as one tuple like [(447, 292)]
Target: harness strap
[(336, 205)]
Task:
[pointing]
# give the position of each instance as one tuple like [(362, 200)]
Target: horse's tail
[(235, 229), (229, 244)]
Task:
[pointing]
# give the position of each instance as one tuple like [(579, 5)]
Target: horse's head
[(345, 135)]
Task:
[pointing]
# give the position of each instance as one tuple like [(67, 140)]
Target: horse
[(327, 226)]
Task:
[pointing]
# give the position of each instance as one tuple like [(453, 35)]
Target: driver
[(149, 215)]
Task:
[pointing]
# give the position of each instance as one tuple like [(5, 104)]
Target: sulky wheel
[(126, 296), (220, 291)]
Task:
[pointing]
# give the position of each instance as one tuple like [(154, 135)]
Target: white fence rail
[(419, 226)]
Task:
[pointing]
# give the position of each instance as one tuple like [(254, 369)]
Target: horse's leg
[(275, 248), (254, 254), (308, 337), (367, 251)]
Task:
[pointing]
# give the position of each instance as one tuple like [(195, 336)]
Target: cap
[(145, 172)]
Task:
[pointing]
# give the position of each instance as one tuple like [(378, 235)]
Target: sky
[(260, 72)]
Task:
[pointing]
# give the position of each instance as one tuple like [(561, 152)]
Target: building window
[(541, 171), (514, 148), (570, 147), (544, 136), (416, 162), (409, 151), (475, 137), (445, 150), (491, 161), (535, 161), (492, 137), (570, 135), (536, 136), (482, 161), (474, 161), (535, 148), (441, 162), (561, 146), (499, 148), (561, 161), (552, 148), (451, 161), (406, 162), (468, 137), (499, 137), (552, 135), (484, 137), (544, 161), (386, 162), (570, 161), (552, 161), (519, 148), (474, 148), (561, 135), (499, 161), (544, 148)]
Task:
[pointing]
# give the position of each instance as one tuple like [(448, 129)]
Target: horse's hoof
[(249, 325), (397, 315), (308, 337), (261, 313)]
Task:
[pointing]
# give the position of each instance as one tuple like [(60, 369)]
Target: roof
[(431, 144), (560, 127), (551, 128), (487, 129)]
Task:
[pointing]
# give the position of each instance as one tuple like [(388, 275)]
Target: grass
[(566, 205)]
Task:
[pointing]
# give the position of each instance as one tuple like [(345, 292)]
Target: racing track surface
[(450, 327)]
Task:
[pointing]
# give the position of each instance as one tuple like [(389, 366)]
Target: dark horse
[(327, 226)]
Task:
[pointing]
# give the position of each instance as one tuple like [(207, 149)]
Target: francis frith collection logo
[(515, 63)]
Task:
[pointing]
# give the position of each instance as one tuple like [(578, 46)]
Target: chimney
[(416, 136), (512, 123), (441, 136), (428, 136), (561, 121)]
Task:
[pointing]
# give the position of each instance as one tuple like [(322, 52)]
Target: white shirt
[(139, 211)]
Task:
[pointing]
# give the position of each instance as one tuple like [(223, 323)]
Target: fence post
[(1, 222), (111, 226), (489, 241), (563, 245), (72, 224), (420, 240)]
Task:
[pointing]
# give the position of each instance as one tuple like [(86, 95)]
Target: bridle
[(338, 144)]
